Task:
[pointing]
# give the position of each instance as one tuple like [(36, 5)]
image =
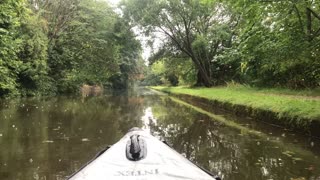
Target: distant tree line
[(211, 42), (54, 46)]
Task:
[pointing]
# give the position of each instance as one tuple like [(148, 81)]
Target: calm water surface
[(51, 138)]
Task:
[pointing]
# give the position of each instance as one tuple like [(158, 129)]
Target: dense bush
[(49, 47), (23, 53)]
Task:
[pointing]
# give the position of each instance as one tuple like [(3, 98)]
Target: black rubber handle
[(136, 148)]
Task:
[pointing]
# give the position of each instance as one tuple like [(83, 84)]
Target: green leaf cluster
[(273, 45), (49, 47), (23, 56)]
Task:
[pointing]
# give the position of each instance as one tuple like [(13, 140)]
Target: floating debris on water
[(65, 137), (312, 144), (258, 143), (310, 168), (297, 159), (47, 141), (0, 135), (30, 160), (264, 171), (299, 178), (56, 129), (85, 139), (288, 153), (36, 176)]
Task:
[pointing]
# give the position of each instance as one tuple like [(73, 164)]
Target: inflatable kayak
[(140, 156)]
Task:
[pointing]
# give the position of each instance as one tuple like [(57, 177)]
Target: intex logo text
[(138, 172)]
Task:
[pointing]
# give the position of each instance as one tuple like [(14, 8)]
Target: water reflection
[(51, 138), (233, 152), (148, 119)]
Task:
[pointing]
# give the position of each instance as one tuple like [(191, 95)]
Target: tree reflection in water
[(233, 153)]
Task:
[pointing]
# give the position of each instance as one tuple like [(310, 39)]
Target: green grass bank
[(297, 110)]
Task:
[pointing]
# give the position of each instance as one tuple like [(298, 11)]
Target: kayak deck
[(159, 161)]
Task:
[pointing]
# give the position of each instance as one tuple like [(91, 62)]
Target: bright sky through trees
[(114, 2), (146, 49)]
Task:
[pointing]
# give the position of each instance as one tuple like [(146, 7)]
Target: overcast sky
[(114, 2)]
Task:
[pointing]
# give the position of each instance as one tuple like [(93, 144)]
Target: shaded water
[(51, 138)]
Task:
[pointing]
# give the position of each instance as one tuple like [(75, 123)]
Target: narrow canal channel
[(46, 139)]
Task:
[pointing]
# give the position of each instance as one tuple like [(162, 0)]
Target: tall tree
[(88, 43), (9, 62), (129, 55), (275, 43), (57, 14), (195, 28), (23, 58)]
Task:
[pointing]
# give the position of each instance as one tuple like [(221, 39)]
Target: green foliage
[(55, 46), (273, 45), (263, 43), (171, 71), (9, 63), (193, 29), (96, 47), (23, 58), (130, 62), (158, 68), (50, 47), (33, 78), (155, 74), (84, 52)]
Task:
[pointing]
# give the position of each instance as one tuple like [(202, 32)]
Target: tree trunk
[(203, 75), (199, 80)]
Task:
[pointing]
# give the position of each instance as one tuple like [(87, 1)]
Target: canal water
[(50, 138)]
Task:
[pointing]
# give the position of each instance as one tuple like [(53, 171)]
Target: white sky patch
[(144, 43), (147, 50), (113, 2), (158, 39)]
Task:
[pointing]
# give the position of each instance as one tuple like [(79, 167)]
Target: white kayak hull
[(161, 162)]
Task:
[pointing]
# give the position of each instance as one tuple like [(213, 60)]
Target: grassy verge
[(297, 107)]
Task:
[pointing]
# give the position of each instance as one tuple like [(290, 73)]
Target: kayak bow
[(140, 156)]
